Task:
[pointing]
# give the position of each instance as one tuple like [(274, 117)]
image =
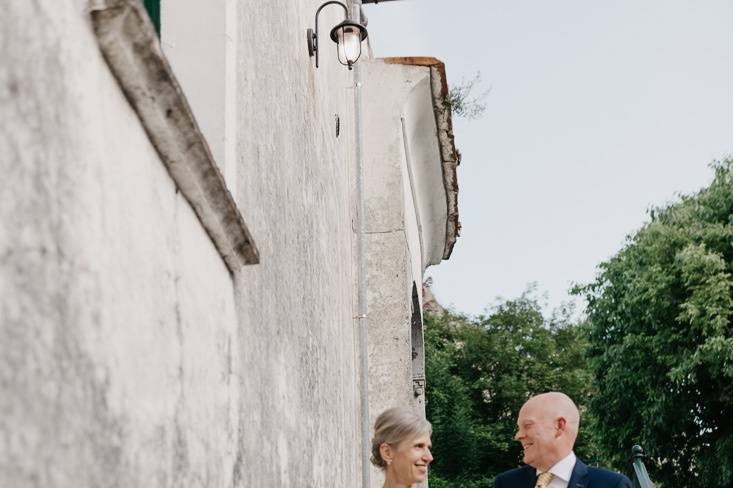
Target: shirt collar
[(563, 469)]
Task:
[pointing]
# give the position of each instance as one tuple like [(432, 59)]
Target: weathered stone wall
[(397, 97), (300, 390), (129, 356), (118, 338)]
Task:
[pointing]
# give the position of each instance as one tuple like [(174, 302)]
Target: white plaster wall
[(295, 188), (128, 355), (390, 224), (200, 41), (413, 229), (427, 170), (118, 334), (401, 107)]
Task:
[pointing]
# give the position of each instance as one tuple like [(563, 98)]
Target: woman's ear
[(385, 450)]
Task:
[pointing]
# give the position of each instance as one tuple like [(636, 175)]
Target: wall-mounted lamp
[(347, 35)]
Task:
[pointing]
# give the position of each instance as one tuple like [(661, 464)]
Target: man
[(547, 428)]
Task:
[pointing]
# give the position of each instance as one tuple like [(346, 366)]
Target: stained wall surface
[(295, 188), (129, 356)]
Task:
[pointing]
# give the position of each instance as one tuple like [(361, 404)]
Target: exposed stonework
[(429, 302)]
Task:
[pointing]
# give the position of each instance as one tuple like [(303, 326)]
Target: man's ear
[(386, 452), (561, 425)]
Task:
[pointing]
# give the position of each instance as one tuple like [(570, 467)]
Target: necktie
[(543, 480)]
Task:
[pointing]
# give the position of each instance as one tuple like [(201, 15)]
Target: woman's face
[(410, 460)]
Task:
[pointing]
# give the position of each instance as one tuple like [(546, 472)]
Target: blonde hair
[(393, 426)]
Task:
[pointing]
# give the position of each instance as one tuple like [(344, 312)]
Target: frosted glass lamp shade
[(348, 37)]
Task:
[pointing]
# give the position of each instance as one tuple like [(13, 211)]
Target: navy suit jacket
[(582, 477)]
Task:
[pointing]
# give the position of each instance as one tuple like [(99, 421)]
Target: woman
[(401, 447)]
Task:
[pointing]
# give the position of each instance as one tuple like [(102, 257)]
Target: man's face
[(537, 433)]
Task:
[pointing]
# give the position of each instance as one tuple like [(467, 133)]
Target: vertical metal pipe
[(361, 280), (362, 308)]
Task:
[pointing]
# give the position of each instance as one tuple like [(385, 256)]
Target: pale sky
[(597, 111)]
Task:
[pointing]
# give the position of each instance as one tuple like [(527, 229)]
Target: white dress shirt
[(562, 470)]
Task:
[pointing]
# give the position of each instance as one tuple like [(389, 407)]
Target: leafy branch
[(464, 103)]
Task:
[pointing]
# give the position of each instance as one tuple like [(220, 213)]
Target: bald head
[(556, 405), (547, 428)]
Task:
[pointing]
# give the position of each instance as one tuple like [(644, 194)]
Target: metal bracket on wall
[(418, 387)]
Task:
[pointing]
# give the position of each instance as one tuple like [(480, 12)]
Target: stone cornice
[(131, 48)]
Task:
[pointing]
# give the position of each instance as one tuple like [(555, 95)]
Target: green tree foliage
[(480, 371), (661, 340)]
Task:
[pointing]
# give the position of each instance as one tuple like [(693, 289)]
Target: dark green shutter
[(153, 8)]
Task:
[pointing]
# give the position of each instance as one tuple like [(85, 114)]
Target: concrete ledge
[(449, 154), (130, 46)]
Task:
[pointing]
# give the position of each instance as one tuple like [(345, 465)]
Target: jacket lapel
[(530, 476), (579, 478)]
